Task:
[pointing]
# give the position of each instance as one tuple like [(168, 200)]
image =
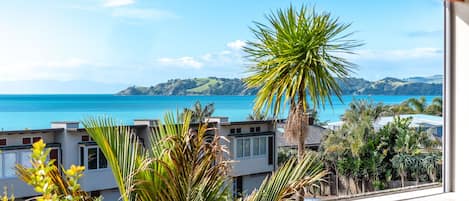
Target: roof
[(251, 134), (417, 120), (313, 138), (32, 131)]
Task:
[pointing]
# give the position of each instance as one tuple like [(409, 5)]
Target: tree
[(256, 116), (418, 105), (296, 58), (178, 163), (199, 113), (436, 107)]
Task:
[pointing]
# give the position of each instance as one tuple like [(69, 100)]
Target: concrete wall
[(110, 195), (251, 182), (460, 107)]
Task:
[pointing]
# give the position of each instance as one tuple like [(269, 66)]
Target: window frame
[(83, 159)]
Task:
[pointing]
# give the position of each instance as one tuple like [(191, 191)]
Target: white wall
[(461, 96)]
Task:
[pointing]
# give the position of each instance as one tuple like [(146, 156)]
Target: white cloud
[(143, 14), (398, 54), (117, 3), (181, 62), (236, 45)]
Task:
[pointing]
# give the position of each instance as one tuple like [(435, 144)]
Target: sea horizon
[(37, 111)]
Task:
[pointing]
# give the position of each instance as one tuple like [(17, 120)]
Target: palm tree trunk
[(402, 180), (337, 181)]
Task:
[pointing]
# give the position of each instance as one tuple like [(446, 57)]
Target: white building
[(430, 123)]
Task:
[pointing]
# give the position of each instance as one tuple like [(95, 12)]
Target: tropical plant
[(436, 107), (297, 57), (46, 179), (290, 179), (256, 116), (180, 162), (199, 112)]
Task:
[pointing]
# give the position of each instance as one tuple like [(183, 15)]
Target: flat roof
[(48, 130)]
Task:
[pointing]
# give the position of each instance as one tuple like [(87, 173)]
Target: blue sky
[(102, 46)]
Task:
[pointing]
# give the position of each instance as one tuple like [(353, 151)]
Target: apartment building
[(252, 144)]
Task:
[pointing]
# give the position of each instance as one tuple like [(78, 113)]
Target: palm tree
[(436, 108), (297, 57), (290, 179), (256, 116), (199, 113), (418, 105), (178, 164)]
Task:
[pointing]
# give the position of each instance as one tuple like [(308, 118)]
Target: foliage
[(417, 106), (256, 116), (371, 157), (295, 59), (199, 112), (291, 178), (180, 163), (46, 179)]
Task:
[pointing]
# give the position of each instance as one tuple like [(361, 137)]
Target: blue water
[(37, 111)]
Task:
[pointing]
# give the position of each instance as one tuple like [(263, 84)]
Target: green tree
[(296, 57), (199, 112)]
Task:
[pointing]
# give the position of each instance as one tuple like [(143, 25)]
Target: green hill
[(235, 86)]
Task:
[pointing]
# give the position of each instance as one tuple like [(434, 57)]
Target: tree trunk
[(337, 182), (402, 180), (363, 185)]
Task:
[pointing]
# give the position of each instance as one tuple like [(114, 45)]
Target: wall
[(251, 182), (459, 129)]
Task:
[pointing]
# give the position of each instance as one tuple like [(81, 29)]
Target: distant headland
[(430, 85)]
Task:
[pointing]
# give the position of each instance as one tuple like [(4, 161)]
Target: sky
[(103, 46)]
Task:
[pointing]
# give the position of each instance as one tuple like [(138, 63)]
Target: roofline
[(250, 122), (47, 130)]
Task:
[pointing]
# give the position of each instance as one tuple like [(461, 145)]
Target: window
[(238, 130), (232, 131), (3, 142), (9, 159), (258, 129), (9, 164), (259, 146), (29, 140), (26, 140), (85, 138), (25, 159), (92, 157), (251, 129), (36, 139), (237, 186), (243, 147)]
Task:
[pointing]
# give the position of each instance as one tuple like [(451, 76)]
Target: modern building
[(252, 144)]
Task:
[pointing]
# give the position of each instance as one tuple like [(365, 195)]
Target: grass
[(203, 84)]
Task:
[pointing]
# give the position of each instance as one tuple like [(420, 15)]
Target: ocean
[(37, 111)]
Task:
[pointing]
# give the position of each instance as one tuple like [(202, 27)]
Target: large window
[(243, 148), (92, 158), (251, 147), (259, 146)]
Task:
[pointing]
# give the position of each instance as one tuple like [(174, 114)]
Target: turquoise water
[(37, 111)]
